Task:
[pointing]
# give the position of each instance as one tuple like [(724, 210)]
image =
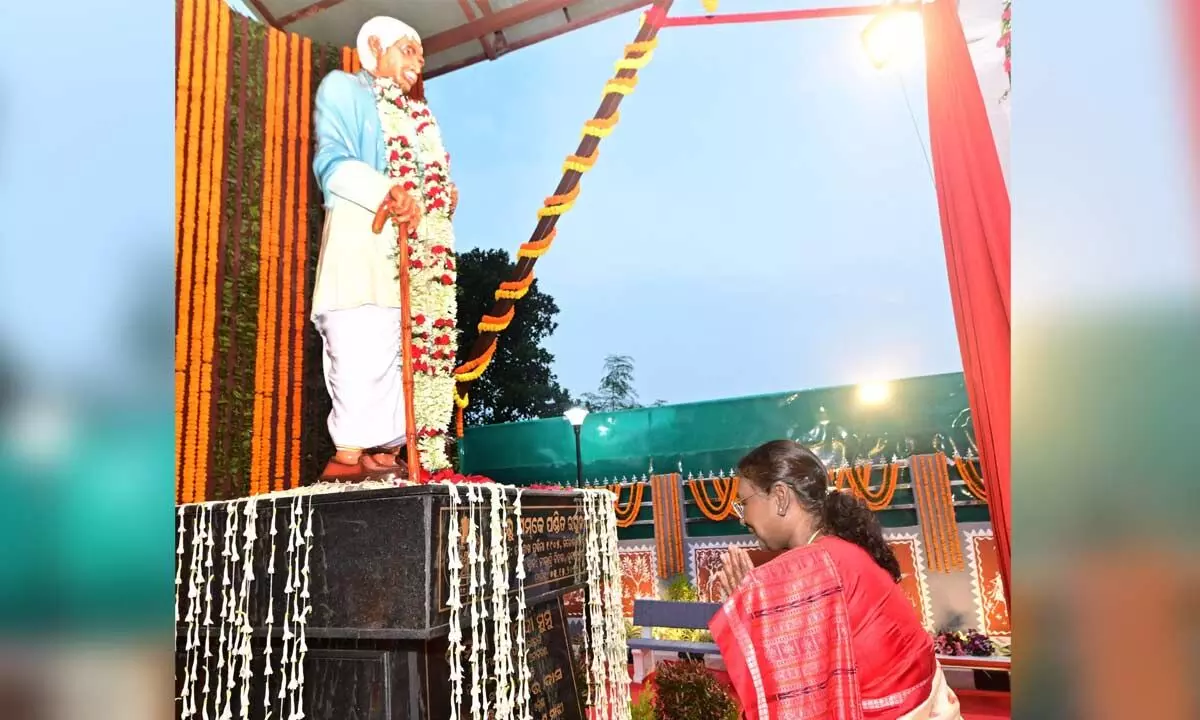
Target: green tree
[(616, 390), (519, 384)]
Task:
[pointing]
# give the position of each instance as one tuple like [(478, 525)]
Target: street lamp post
[(575, 416)]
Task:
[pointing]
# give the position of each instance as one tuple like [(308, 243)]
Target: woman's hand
[(453, 198), (734, 568)]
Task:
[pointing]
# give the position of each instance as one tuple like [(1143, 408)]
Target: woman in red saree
[(823, 630)]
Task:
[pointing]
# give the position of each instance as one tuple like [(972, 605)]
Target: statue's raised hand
[(399, 205)]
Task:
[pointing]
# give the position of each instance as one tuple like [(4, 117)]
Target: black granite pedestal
[(378, 584)]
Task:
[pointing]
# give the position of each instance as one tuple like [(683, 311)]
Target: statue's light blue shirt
[(347, 128)]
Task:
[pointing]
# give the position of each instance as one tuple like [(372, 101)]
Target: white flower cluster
[(226, 680), (604, 636), (417, 160), (497, 649)]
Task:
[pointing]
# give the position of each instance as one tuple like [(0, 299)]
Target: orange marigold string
[(860, 479), (719, 509), (953, 538), (497, 323), (537, 248), (971, 478), (218, 83), (515, 289), (199, 277), (627, 514), (299, 322), (288, 131), (185, 131)]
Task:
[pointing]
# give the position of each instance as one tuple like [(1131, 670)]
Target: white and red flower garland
[(418, 161)]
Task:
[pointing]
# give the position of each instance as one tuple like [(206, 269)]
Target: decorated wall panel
[(249, 395)]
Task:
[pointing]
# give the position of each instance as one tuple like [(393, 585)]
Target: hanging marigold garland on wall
[(935, 509), (627, 513), (668, 524), (859, 478), (718, 509), (971, 478)]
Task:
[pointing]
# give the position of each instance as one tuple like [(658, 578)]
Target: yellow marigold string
[(537, 248), (559, 204), (472, 370), (601, 127), (581, 164), (634, 63), (620, 86), (461, 400), (497, 323), (515, 289)]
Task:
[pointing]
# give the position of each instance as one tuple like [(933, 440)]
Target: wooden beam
[(484, 26), (307, 11), (539, 37), (778, 15), (264, 13)]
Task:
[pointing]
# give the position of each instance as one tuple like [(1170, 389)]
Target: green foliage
[(616, 390), (687, 691), (519, 384), (681, 589), (643, 709), (682, 634)]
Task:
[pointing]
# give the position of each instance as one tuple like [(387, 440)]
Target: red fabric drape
[(976, 230)]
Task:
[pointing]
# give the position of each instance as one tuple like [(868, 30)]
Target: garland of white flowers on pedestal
[(497, 652), (216, 680), (604, 637), (417, 160)]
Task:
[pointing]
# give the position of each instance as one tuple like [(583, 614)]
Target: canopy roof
[(456, 33)]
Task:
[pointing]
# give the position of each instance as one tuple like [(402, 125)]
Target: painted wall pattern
[(908, 549), (983, 564)]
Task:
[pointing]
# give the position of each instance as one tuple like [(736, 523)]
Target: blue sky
[(759, 221), (762, 219)]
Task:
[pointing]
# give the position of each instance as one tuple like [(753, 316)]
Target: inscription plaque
[(552, 539)]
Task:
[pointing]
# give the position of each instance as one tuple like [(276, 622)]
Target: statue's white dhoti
[(363, 375)]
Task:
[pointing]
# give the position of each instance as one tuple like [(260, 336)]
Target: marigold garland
[(493, 323), (515, 289), (580, 164), (636, 56), (971, 478), (473, 369), (537, 248), (860, 482), (559, 204), (721, 508), (935, 508), (668, 524), (628, 513), (951, 534)]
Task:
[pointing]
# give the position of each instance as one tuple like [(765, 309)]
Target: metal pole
[(578, 458)]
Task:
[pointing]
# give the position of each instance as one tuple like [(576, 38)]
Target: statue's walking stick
[(410, 414)]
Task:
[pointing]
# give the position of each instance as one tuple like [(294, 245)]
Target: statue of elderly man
[(380, 153)]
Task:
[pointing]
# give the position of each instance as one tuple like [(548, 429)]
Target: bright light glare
[(576, 415), (894, 39), (873, 393)]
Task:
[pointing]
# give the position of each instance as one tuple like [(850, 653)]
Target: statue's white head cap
[(389, 31)]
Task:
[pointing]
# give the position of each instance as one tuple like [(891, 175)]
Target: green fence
[(712, 436)]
